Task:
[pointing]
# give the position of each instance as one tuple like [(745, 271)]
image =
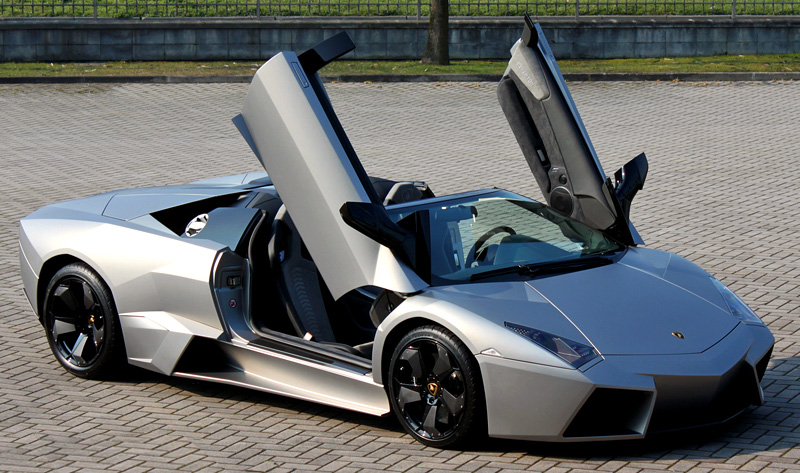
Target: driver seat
[(298, 280), (300, 287)]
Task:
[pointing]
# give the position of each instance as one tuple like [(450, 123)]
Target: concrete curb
[(573, 77), (125, 79), (683, 76)]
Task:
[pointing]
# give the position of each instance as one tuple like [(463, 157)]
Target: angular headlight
[(737, 306), (575, 353)]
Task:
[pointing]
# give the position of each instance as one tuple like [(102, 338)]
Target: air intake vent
[(611, 413), (761, 366), (678, 409)]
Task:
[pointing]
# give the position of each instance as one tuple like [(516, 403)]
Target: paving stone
[(723, 190)]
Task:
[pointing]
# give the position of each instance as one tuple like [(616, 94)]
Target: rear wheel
[(435, 388), (81, 323)]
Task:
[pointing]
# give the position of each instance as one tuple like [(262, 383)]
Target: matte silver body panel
[(235, 179), (168, 296), (155, 340), (477, 312), (314, 177), (518, 376), (281, 373), (145, 270), (652, 312), (683, 380)]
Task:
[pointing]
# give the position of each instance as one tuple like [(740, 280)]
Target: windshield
[(478, 234)]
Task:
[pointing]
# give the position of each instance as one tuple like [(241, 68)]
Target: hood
[(634, 306), (631, 307)]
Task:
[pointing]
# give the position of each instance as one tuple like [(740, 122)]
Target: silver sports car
[(480, 312)]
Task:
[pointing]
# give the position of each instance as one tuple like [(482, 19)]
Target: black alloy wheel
[(435, 387), (81, 323)]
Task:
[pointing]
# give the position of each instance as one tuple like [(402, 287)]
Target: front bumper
[(624, 397)]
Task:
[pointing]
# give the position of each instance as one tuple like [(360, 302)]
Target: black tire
[(435, 388), (81, 323)]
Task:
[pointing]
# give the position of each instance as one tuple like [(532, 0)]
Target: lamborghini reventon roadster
[(480, 312)]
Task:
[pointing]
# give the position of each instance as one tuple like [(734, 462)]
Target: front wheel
[(81, 323), (435, 387)]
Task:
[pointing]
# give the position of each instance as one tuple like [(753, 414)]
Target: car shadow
[(701, 444), (220, 391), (756, 430)]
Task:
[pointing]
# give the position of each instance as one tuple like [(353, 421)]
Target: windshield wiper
[(546, 268)]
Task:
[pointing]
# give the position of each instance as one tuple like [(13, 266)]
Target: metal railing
[(407, 8)]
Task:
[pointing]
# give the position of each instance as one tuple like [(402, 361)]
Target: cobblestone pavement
[(722, 190)]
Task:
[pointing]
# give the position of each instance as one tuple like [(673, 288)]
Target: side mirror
[(629, 179), (372, 220)]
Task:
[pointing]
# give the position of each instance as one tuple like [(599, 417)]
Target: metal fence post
[(258, 8), (577, 9), (419, 9), (733, 9), (95, 9)]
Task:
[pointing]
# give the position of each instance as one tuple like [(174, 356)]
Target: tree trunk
[(437, 51)]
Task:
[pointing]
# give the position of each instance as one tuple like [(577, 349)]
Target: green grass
[(227, 8), (763, 63)]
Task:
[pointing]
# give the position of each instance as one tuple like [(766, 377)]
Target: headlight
[(737, 306), (574, 353)]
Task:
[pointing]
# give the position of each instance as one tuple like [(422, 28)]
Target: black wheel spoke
[(89, 302), (66, 296), (454, 404), (443, 415), (78, 293), (69, 318), (442, 366), (76, 353), (97, 334), (429, 421), (62, 326), (408, 394), (412, 356)]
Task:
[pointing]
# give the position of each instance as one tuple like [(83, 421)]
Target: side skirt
[(280, 373)]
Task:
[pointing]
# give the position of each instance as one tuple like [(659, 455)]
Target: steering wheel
[(474, 253)]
